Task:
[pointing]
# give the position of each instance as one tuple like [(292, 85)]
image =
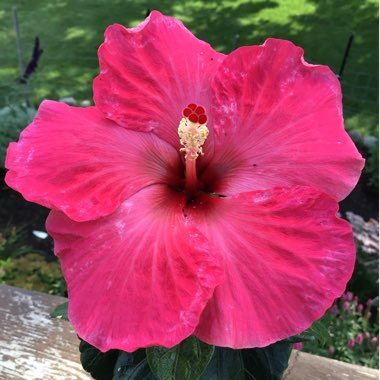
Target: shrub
[(13, 119)]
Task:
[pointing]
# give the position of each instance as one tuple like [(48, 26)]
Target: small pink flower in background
[(227, 252), (349, 296), (298, 346), (375, 340), (346, 306), (334, 309), (360, 308), (351, 343), (367, 335), (369, 302), (331, 350), (359, 339)]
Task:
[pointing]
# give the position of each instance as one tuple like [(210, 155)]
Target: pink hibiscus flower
[(242, 250)]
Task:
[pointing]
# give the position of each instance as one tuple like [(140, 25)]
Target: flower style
[(199, 195)]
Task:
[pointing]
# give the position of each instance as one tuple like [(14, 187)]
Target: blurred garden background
[(70, 32)]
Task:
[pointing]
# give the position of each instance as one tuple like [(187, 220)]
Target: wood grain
[(32, 345), (304, 366)]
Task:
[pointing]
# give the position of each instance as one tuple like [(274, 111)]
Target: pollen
[(193, 131)]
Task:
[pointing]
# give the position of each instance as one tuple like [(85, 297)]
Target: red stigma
[(202, 119), (187, 112), (199, 110), (195, 113), (193, 118)]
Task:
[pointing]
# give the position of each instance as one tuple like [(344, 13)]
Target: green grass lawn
[(71, 31)]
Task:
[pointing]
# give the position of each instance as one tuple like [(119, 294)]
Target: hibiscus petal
[(278, 122), (286, 256), (74, 160), (139, 277), (150, 73)]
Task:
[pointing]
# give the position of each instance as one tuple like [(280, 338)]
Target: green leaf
[(225, 364), (60, 311), (300, 338), (319, 330), (190, 360), (186, 361), (132, 367), (114, 364), (100, 364), (267, 363)]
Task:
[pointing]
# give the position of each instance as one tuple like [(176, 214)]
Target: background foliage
[(71, 31)]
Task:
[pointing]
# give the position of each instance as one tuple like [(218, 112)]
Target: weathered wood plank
[(32, 345), (304, 366)]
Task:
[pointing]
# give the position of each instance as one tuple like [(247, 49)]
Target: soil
[(15, 211), (364, 201)]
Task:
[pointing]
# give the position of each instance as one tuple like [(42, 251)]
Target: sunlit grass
[(71, 31)]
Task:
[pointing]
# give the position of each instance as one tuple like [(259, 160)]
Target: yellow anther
[(192, 136)]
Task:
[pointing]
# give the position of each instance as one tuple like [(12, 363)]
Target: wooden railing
[(35, 347)]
